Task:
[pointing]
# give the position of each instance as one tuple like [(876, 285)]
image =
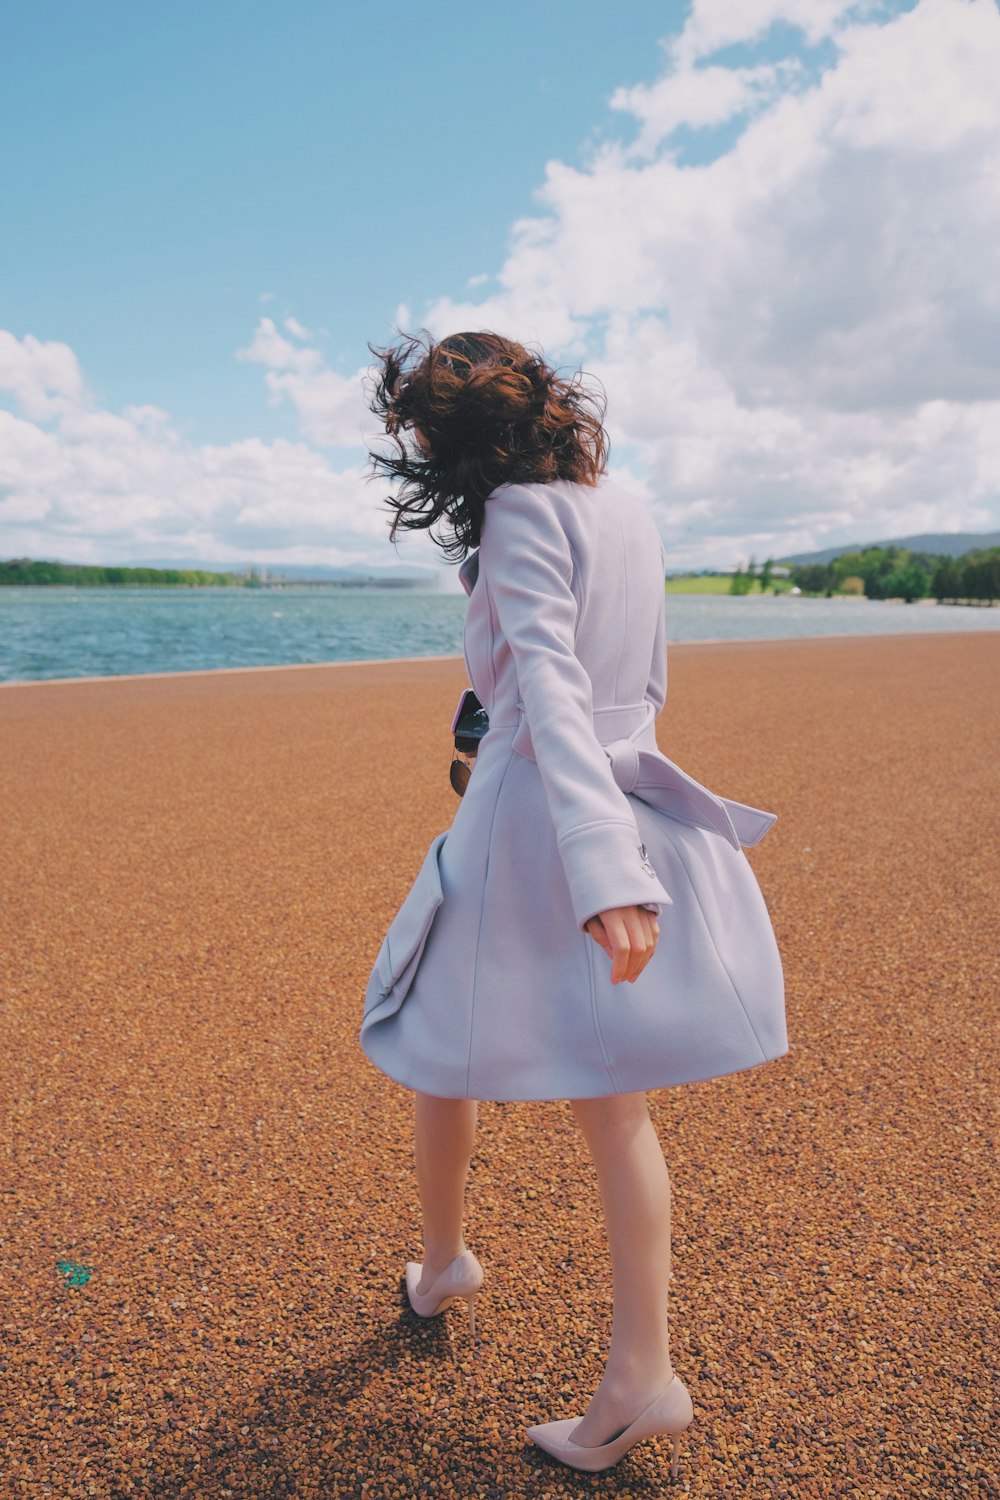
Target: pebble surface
[(207, 1194)]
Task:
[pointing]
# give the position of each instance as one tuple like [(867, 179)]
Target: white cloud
[(43, 378), (268, 347), (714, 24), (699, 97), (331, 407), (294, 326), (85, 484), (801, 337), (924, 86)]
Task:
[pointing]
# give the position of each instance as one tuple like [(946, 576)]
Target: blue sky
[(179, 161), (768, 228)]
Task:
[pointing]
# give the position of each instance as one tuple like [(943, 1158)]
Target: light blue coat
[(573, 809)]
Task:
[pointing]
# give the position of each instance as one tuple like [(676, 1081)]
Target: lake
[(109, 632)]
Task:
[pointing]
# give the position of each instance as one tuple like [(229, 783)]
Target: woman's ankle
[(436, 1260), (631, 1377)]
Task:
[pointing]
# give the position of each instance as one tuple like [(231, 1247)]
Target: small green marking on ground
[(76, 1275)]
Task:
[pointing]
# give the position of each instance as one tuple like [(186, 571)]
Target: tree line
[(891, 573), (85, 575), (897, 573)]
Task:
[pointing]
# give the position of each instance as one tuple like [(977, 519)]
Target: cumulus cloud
[(699, 97), (43, 379), (714, 24), (294, 326), (84, 484), (331, 407), (797, 324), (800, 337)]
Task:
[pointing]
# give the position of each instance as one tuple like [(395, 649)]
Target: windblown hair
[(490, 412)]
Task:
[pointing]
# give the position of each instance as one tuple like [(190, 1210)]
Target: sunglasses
[(470, 723)]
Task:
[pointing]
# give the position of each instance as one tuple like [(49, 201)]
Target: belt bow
[(627, 734)]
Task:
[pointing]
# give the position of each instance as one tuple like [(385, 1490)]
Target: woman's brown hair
[(491, 412)]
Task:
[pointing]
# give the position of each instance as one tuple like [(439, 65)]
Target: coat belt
[(628, 735), (625, 731)]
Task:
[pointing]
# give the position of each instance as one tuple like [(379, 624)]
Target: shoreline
[(375, 661)]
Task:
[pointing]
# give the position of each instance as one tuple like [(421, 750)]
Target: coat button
[(646, 865)]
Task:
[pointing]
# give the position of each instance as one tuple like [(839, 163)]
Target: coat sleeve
[(528, 568)]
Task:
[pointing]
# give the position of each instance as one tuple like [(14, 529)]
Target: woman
[(579, 856)]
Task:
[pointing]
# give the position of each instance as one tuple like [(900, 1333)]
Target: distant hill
[(941, 543)]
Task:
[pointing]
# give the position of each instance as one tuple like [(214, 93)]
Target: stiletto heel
[(667, 1415), (461, 1280)]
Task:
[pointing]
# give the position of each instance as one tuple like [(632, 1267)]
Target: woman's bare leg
[(635, 1193), (444, 1136)]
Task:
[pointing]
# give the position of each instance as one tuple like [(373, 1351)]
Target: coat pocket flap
[(402, 947)]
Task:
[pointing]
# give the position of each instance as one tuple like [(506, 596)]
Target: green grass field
[(718, 585)]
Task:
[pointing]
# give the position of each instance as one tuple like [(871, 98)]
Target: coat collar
[(469, 571)]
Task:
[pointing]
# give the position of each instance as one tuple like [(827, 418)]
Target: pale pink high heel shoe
[(462, 1278), (667, 1415)]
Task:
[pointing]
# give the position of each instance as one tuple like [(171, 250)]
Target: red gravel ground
[(196, 875)]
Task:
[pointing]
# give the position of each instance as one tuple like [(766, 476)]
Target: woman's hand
[(628, 935)]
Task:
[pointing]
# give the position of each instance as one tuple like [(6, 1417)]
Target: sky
[(768, 229)]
